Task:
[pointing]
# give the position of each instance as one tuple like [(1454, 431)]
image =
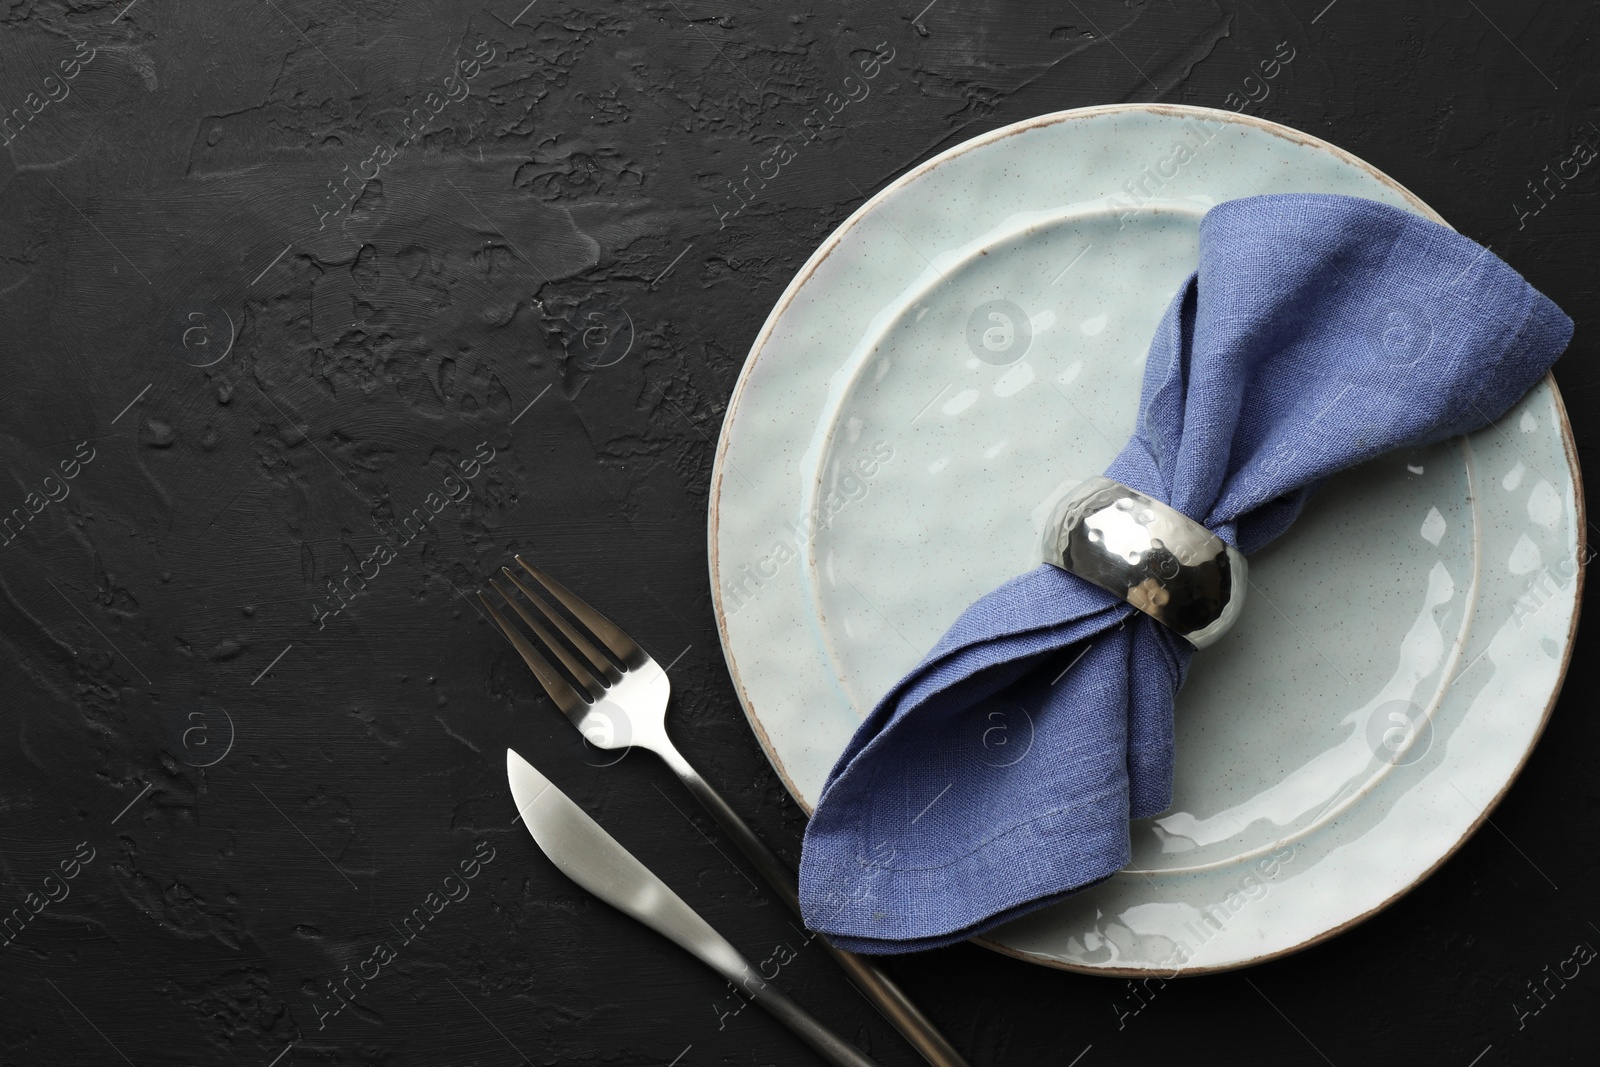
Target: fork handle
[(876, 986)]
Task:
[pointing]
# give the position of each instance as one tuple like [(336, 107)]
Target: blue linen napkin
[(1318, 332)]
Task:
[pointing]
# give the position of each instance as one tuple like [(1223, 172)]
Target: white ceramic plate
[(969, 345)]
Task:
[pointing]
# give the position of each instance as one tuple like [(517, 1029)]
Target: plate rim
[(826, 249)]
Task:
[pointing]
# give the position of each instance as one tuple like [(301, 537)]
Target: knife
[(591, 857)]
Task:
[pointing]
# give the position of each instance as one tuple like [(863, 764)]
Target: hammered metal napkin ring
[(1151, 555)]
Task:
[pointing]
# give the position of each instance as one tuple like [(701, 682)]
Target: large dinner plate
[(968, 346)]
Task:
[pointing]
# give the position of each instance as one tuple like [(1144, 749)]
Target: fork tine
[(594, 688), (565, 697), (603, 628), (601, 664)]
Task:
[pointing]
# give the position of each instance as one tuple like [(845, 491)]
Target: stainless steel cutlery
[(595, 860), (620, 699)]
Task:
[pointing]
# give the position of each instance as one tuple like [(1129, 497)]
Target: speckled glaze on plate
[(967, 347)]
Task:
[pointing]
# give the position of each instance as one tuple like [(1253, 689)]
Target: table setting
[(1087, 569)]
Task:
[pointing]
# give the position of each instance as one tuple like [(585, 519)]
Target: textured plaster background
[(267, 784)]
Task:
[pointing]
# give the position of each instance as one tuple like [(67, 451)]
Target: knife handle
[(876, 986), (830, 1046)]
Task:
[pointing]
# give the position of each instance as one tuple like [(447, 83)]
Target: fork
[(623, 701)]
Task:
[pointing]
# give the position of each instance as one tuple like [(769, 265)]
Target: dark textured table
[(314, 313)]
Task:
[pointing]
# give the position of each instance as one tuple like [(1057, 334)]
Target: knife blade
[(584, 852)]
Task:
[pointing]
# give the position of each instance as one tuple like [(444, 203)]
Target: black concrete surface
[(275, 274)]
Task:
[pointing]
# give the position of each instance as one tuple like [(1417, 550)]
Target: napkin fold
[(1000, 775)]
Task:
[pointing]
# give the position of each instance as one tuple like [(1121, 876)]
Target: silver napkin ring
[(1151, 555)]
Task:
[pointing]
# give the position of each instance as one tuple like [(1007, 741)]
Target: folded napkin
[(1318, 332)]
